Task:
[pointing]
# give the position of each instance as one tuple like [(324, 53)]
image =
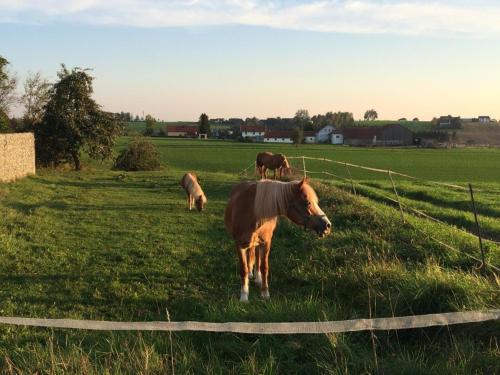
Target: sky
[(245, 58)]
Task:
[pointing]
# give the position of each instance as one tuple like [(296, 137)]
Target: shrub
[(141, 155)]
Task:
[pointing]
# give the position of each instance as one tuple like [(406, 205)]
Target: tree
[(342, 119), (297, 136), (416, 119), (35, 97), (73, 122), (204, 125), (302, 119), (150, 123), (7, 86), (371, 115)]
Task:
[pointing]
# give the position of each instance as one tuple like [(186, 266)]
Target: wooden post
[(304, 166), (352, 181), (397, 196), (478, 228)]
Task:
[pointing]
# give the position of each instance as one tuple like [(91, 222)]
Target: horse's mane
[(193, 187), (272, 197)]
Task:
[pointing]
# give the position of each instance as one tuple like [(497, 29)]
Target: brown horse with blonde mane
[(268, 160), (194, 192), (251, 217)]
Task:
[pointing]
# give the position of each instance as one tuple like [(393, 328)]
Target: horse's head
[(201, 201), (304, 209), (286, 167)]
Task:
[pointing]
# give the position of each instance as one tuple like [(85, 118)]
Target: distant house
[(389, 135), (449, 122), (278, 136), (252, 131), (182, 131), (309, 137), (337, 137), (323, 135), (484, 119)]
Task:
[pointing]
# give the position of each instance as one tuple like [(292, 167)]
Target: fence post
[(397, 196), (304, 166), (478, 228), (352, 181)]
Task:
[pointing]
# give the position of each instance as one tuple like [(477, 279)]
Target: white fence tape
[(403, 322)]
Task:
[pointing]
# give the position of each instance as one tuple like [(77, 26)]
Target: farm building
[(309, 137), (389, 135), (252, 131), (484, 119), (449, 122), (323, 135), (336, 137), (182, 131), (278, 136)]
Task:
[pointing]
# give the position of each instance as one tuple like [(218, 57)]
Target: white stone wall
[(17, 156)]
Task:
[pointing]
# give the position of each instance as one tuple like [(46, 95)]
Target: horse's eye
[(308, 204)]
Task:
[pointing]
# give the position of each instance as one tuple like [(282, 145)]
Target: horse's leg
[(243, 273), (189, 201), (274, 170), (258, 274), (264, 268), (250, 260)]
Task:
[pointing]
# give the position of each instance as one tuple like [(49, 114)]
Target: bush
[(4, 122), (141, 155)]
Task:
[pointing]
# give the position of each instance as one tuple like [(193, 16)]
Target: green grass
[(93, 245)]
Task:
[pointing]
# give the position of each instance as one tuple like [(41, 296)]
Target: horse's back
[(189, 176), (241, 202)]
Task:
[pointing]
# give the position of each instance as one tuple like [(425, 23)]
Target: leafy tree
[(35, 97), (416, 119), (7, 86), (342, 119), (150, 123), (371, 115), (302, 119), (73, 122), (297, 136), (204, 125)]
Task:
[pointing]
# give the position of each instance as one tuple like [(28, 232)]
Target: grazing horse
[(194, 193), (268, 160), (251, 217)]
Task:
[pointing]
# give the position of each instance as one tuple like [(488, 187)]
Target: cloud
[(403, 17)]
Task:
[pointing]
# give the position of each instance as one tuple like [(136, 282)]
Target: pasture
[(101, 244)]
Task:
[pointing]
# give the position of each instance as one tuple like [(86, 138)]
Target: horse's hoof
[(265, 295), (250, 274), (258, 279), (244, 298)]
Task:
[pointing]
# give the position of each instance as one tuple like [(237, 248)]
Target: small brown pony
[(251, 217), (194, 193), (268, 160)]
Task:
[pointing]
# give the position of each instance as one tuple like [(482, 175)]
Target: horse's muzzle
[(323, 226)]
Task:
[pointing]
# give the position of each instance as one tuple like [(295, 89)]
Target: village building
[(449, 122), (278, 136), (323, 135), (182, 131), (309, 136), (256, 132), (337, 137), (389, 135), (484, 119)]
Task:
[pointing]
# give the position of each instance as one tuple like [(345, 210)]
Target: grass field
[(91, 245)]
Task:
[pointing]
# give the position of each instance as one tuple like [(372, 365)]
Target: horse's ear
[(303, 181)]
